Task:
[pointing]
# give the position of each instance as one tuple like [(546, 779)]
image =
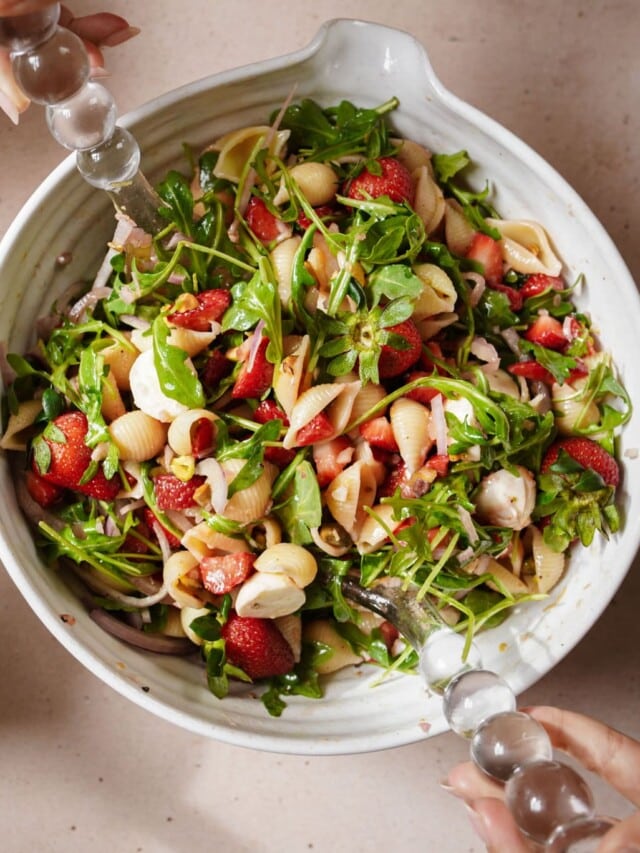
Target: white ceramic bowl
[(367, 64)]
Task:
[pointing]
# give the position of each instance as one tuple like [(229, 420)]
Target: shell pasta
[(336, 358)]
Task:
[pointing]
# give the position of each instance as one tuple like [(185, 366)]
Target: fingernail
[(478, 823), (447, 786)]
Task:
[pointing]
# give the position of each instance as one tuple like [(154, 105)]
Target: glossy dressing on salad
[(335, 359)]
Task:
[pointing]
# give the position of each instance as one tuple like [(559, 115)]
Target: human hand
[(103, 29), (614, 756)]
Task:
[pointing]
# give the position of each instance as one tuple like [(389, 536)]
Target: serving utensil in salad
[(551, 803), (51, 66)]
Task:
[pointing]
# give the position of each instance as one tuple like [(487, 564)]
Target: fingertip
[(494, 824)]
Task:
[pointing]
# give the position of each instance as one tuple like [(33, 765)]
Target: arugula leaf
[(302, 508), (178, 380)]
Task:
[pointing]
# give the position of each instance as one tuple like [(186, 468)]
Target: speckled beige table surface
[(85, 770)]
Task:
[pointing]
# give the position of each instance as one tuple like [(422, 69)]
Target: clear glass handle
[(51, 66), (550, 802)]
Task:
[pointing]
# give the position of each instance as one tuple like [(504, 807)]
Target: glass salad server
[(551, 803), (51, 66)]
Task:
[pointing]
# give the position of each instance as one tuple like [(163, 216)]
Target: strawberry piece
[(440, 463), (215, 369), (587, 453), (151, 520), (421, 395), (531, 370), (487, 252), (211, 306), (256, 646), (44, 493), (319, 428), (70, 458), (378, 433), (330, 458), (269, 410), (394, 361), (514, 296), (395, 181), (537, 283), (261, 221), (220, 574), (255, 376), (172, 493), (202, 434), (396, 478), (280, 456), (389, 634), (324, 211), (547, 332)]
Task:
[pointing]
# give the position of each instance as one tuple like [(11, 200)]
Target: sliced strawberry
[(487, 252), (172, 493), (280, 456), (203, 436), (211, 306), (221, 574), (547, 332), (319, 428), (330, 458), (394, 361), (514, 296), (69, 457), (151, 520), (389, 634), (531, 370), (379, 433), (325, 211), (44, 493), (394, 181), (256, 646), (587, 453), (440, 463), (269, 410), (255, 376), (537, 283), (215, 369), (421, 395), (396, 477), (261, 221)]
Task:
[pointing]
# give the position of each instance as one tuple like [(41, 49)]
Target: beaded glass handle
[(51, 66), (550, 802)]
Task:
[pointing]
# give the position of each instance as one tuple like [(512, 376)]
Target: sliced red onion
[(482, 349), (466, 555), (163, 542), (158, 643), (176, 278), (467, 523), (255, 344), (89, 300), (212, 470), (135, 322), (179, 520), (6, 371), (176, 237), (479, 285), (106, 270), (512, 340), (440, 425)]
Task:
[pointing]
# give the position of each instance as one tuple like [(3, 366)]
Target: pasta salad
[(335, 359)]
